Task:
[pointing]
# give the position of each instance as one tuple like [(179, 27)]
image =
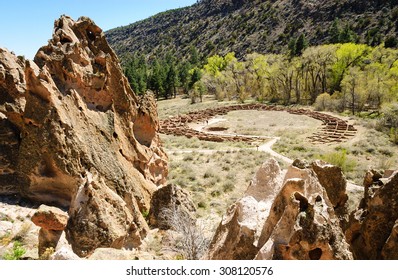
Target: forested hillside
[(262, 26)]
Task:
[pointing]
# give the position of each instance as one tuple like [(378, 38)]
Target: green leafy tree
[(136, 73), (390, 117), (297, 46), (347, 35), (171, 81), (194, 56), (354, 87), (347, 55)]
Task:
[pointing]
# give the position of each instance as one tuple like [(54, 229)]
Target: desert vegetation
[(217, 174)]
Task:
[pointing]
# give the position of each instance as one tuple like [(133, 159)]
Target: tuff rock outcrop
[(73, 134), (169, 201), (52, 221), (238, 233), (290, 218), (373, 227)]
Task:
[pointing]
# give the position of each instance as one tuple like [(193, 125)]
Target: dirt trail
[(266, 147)]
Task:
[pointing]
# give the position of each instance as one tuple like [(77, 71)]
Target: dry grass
[(368, 149), (268, 123), (215, 180)]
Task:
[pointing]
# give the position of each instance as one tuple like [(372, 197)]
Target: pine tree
[(334, 32), (301, 45)]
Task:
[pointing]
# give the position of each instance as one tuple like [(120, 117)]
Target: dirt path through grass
[(266, 147)]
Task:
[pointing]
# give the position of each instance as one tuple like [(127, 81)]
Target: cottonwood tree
[(347, 55), (317, 62), (353, 86)]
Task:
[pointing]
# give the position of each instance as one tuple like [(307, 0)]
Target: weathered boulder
[(333, 181), (290, 218), (237, 235), (167, 202), (302, 223), (373, 230), (50, 218), (71, 112), (52, 221), (63, 254), (104, 221)]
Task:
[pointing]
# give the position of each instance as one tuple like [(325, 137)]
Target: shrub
[(190, 241), (17, 252), (340, 159), (323, 102), (228, 186)]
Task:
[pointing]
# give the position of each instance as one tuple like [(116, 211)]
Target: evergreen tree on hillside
[(297, 46), (136, 73), (334, 32)]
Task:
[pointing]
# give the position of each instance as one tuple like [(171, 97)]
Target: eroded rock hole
[(47, 169), (315, 254), (302, 200), (90, 35), (115, 135)]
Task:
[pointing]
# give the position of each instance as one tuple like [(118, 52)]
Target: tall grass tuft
[(340, 159)]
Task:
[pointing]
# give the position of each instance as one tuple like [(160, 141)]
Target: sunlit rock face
[(285, 216), (73, 134)]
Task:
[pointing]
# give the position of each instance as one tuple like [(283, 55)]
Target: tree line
[(334, 77), (164, 76)]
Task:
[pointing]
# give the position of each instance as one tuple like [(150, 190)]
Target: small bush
[(188, 157), (23, 231), (323, 102), (228, 186), (5, 239), (340, 159), (17, 252), (202, 205), (209, 174), (385, 163)]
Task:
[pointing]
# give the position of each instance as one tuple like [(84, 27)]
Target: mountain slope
[(242, 26)]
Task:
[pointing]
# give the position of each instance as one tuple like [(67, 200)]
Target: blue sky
[(26, 25)]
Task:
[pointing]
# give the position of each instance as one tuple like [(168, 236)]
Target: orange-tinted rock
[(50, 218), (69, 113)]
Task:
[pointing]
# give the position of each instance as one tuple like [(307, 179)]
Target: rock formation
[(373, 227), (238, 233), (168, 201), (52, 222), (291, 218), (73, 134)]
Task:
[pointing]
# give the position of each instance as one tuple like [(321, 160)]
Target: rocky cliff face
[(73, 134)]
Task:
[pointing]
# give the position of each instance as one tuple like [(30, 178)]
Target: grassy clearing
[(172, 142), (269, 123), (215, 180)]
